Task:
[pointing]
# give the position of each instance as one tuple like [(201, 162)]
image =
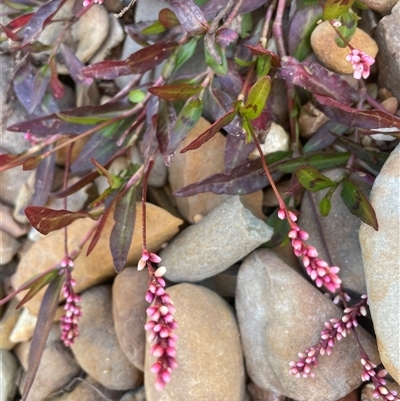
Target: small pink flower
[(161, 326), (70, 320), (147, 256), (360, 62)]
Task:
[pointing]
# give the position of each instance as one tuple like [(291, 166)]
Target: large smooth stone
[(381, 255), (97, 349), (129, 312), (8, 375), (98, 266), (208, 350), (223, 237), (281, 314)]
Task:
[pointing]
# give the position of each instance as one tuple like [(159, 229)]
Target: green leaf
[(311, 179), (347, 28), (154, 28), (257, 98), (243, 63), (136, 96), (219, 69), (114, 181), (47, 312), (186, 51), (325, 204), (246, 25), (175, 92), (320, 161), (335, 8), (186, 120), (263, 65), (358, 204), (82, 120)]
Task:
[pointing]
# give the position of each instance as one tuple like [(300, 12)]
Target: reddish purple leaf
[(236, 151), (109, 69), (55, 84), (122, 232), (150, 57), (46, 220), (74, 66), (226, 36), (87, 179), (368, 119), (258, 50), (23, 84), (317, 79), (53, 124), (10, 34), (44, 179), (210, 132), (100, 226), (165, 125), (175, 92), (323, 138), (190, 16), (212, 7), (47, 313), (40, 83), (40, 19), (20, 21)]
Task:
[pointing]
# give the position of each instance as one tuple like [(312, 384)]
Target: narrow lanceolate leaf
[(175, 92), (186, 120), (36, 286), (40, 19), (335, 8), (108, 69), (122, 232), (368, 119), (43, 179), (47, 312), (74, 66), (150, 57), (208, 134), (40, 83), (317, 79), (46, 220), (185, 52), (311, 179), (190, 16), (325, 205), (358, 204), (220, 68), (257, 98), (375, 160)]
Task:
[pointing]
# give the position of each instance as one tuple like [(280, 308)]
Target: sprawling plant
[(241, 56)]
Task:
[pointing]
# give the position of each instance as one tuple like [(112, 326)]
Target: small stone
[(194, 166), (281, 314), (208, 350), (129, 313), (24, 198), (310, 120), (8, 375), (9, 225), (115, 36), (334, 57), (11, 182), (24, 328), (8, 247), (382, 6), (277, 140), (340, 229), (98, 266), (216, 242), (381, 255), (134, 395), (57, 367), (148, 10), (97, 349)]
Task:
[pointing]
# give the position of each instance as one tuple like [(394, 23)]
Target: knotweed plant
[(238, 60)]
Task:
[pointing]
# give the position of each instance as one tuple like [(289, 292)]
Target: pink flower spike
[(361, 63), (281, 214), (154, 258), (141, 264)]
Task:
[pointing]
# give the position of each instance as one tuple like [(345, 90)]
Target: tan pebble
[(390, 105), (334, 57)]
